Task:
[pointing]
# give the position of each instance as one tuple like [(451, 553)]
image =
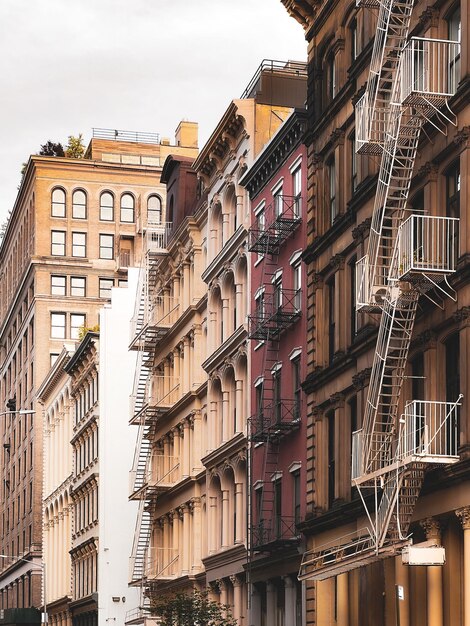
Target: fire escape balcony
[(427, 245), (156, 239), (429, 71), (164, 393), (371, 122), (161, 563), (164, 472), (275, 314), (280, 220), (278, 532), (275, 420), (371, 285), (428, 434)]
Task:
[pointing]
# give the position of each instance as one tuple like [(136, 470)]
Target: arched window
[(107, 207), (154, 210), (79, 205), (58, 203), (127, 208)]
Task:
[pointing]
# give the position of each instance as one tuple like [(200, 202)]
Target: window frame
[(103, 247), (62, 316), (55, 203), (62, 288), (74, 287), (106, 207), (76, 204), (100, 289), (123, 209), (76, 246), (73, 327), (54, 243), (157, 211)]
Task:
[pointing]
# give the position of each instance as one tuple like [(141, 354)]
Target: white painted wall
[(117, 516)]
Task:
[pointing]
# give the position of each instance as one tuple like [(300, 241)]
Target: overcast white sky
[(67, 66)]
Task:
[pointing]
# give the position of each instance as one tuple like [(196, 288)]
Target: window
[(106, 246), (452, 347), (297, 388), (453, 203), (278, 200), (77, 320), (127, 208), (297, 190), (105, 287), (79, 244), (331, 457), (58, 285), (107, 207), (77, 286), (79, 205), (331, 189), (58, 243), (330, 78), (454, 29), (259, 305), (297, 282), (122, 283), (352, 148), (58, 203), (331, 319), (277, 395), (354, 43), (277, 292), (58, 325), (154, 210), (278, 508), (352, 296), (53, 358), (297, 495)]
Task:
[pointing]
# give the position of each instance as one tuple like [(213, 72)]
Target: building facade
[(75, 228), (277, 326), (387, 341)]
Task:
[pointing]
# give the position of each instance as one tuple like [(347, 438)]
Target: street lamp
[(41, 566)]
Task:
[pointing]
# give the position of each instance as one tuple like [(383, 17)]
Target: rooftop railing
[(126, 135)]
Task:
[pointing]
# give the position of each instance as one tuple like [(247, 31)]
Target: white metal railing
[(429, 429), (156, 238), (161, 563), (163, 391), (371, 122), (164, 471), (371, 283), (429, 68), (357, 454), (428, 243), (165, 311)]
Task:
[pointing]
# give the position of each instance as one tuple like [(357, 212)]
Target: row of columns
[(227, 413), (226, 314), (223, 532), (231, 591), (58, 534), (272, 589), (57, 440), (183, 445)]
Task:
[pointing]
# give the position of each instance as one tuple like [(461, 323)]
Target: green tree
[(52, 149), (191, 609), (75, 149)]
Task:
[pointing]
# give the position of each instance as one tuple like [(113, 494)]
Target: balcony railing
[(371, 284), (428, 244), (123, 259), (279, 530), (161, 563), (275, 313), (165, 312), (164, 471), (156, 238), (275, 420), (430, 430), (429, 70), (279, 220), (164, 392), (370, 126)]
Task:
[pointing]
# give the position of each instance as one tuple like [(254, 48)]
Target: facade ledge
[(275, 564), (184, 318), (226, 349), (228, 251), (226, 450), (77, 485), (225, 562), (339, 515)]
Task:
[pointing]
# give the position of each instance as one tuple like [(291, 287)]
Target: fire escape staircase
[(276, 417), (405, 259)]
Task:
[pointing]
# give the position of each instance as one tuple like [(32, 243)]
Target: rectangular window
[(297, 269), (79, 244), (278, 200), (454, 29), (105, 287), (297, 495), (297, 389), (77, 321), (58, 325), (58, 243), (331, 319), (331, 169), (78, 286), (297, 191), (352, 145), (331, 457), (278, 508), (53, 358), (106, 246), (58, 285), (122, 283)]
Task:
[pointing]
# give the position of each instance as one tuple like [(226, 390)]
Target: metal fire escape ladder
[(140, 545)]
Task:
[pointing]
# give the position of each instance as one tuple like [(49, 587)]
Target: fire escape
[(409, 85), (276, 310), (152, 396)]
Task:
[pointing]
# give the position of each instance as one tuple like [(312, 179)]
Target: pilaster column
[(197, 441), (197, 534), (225, 518), (176, 451), (289, 601), (238, 612), (225, 415), (240, 520), (186, 285), (240, 309), (225, 319), (343, 600), (255, 613), (213, 526), (239, 405), (176, 291), (176, 548), (213, 333), (223, 591), (464, 516), (402, 579), (186, 448), (271, 602), (212, 426), (187, 366), (225, 228), (186, 539), (434, 576)]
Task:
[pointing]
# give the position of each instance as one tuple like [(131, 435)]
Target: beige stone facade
[(343, 339), (75, 228)]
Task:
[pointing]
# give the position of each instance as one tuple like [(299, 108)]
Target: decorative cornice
[(464, 516), (462, 136)]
